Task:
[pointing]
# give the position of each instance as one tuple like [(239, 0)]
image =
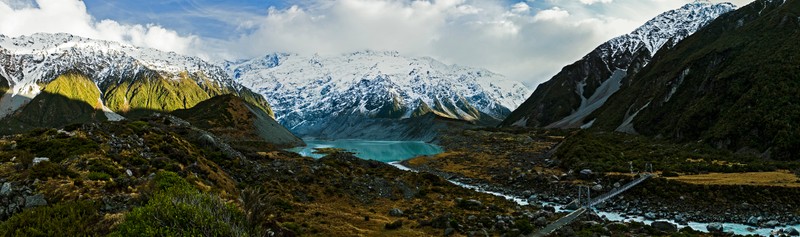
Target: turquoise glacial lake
[(384, 151)]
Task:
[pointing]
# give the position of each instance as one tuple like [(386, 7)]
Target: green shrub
[(178, 209), (166, 180), (104, 166), (97, 176), (47, 169), (76, 218)]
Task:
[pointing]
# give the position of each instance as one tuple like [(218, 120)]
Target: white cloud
[(70, 16), (554, 13), (590, 2), (520, 7)]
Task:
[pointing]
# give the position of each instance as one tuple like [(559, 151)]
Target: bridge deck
[(566, 220)]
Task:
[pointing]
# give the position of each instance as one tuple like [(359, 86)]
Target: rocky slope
[(123, 79), (238, 121), (312, 94), (118, 169), (584, 86), (734, 84)]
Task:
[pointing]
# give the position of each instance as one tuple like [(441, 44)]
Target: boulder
[(471, 204), (449, 231), (597, 187), (541, 221), (791, 231), (37, 160), (753, 221), (664, 226), (6, 189), (129, 173), (715, 227), (395, 212), (35, 201), (650, 216), (533, 199), (394, 225), (772, 223), (586, 173)]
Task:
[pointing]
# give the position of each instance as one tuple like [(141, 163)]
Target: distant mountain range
[(340, 96), (51, 80)]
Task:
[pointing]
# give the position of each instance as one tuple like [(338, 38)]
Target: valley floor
[(533, 165), (133, 177)]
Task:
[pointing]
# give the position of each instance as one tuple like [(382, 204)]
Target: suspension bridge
[(589, 203)]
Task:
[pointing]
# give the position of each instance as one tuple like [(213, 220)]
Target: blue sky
[(200, 17), (528, 40), (207, 18)]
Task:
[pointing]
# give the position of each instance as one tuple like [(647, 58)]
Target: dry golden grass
[(777, 178), (336, 217)]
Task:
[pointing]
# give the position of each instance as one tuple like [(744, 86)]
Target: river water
[(384, 151), (738, 229)]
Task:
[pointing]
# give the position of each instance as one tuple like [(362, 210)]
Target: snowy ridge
[(308, 90), (672, 26), (27, 60)]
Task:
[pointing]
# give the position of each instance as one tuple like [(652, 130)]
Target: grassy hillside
[(233, 118), (138, 177), (735, 84), (153, 92), (76, 87)]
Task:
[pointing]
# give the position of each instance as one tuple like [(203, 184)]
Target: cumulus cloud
[(590, 2), (19, 17), (554, 13)]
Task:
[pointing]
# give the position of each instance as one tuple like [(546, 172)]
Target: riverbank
[(521, 164)]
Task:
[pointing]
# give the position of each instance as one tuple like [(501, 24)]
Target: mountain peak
[(672, 26)]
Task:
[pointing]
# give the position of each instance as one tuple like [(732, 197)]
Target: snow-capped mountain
[(583, 87), (309, 92), (731, 85), (105, 75)]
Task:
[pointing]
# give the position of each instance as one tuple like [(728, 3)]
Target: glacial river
[(384, 151), (738, 229), (394, 151)]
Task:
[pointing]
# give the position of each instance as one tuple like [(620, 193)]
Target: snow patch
[(16, 97), (521, 123), (627, 124), (600, 96), (676, 84)]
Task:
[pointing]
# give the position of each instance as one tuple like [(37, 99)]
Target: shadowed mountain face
[(734, 84), (49, 110), (582, 87), (236, 120), (3, 86)]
